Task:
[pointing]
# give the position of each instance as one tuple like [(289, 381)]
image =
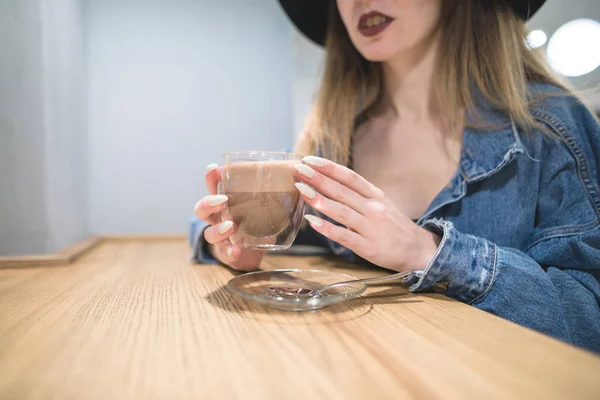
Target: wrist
[(427, 246)]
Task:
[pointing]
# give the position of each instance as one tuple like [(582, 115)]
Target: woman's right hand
[(217, 234)]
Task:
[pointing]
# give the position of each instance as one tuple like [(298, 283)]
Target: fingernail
[(229, 251), (306, 190), (316, 221), (211, 167), (224, 227), (305, 170), (217, 199), (316, 161)]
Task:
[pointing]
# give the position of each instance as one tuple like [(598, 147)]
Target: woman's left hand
[(376, 230)]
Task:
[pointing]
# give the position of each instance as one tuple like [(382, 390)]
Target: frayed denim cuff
[(462, 268)]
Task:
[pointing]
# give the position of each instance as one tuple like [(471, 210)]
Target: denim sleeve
[(513, 284), (200, 253)]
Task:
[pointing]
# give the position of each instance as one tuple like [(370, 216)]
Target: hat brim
[(310, 16)]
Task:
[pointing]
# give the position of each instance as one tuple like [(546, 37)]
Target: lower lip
[(374, 30)]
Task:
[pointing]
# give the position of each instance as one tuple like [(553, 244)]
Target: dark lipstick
[(373, 23)]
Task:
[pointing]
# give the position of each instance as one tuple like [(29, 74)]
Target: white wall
[(42, 193), (22, 198), (173, 84), (65, 97)]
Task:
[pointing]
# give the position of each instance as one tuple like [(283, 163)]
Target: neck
[(408, 83)]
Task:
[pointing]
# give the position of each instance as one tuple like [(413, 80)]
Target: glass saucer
[(256, 286)]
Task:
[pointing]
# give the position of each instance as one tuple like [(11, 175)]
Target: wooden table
[(136, 320)]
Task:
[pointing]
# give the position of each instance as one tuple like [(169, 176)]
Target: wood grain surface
[(135, 319)]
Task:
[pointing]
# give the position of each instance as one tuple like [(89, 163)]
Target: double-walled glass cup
[(263, 202)]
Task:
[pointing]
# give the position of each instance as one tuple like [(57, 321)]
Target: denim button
[(440, 287)]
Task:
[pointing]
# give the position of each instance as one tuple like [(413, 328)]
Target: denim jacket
[(519, 222)]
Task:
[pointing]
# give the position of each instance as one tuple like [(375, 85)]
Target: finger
[(347, 238), (216, 234), (247, 260), (337, 211), (213, 176), (209, 207), (238, 258), (343, 175), (224, 252), (332, 189)]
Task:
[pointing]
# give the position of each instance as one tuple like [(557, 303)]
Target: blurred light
[(536, 38), (573, 49)]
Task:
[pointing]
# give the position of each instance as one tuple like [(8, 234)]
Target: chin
[(376, 53), (376, 56)]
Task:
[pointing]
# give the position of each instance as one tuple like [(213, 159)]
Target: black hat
[(310, 16)]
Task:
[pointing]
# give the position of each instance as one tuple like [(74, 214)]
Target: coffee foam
[(260, 176)]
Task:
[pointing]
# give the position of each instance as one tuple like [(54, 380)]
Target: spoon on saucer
[(302, 293)]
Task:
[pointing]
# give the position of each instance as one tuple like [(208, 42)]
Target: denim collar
[(486, 151)]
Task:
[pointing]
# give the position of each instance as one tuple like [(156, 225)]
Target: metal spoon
[(278, 291)]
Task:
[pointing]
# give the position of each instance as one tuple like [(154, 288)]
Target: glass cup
[(263, 202)]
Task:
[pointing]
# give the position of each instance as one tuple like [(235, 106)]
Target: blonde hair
[(482, 49)]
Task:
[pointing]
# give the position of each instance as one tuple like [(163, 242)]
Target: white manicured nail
[(316, 221), (218, 199), (305, 170), (316, 161), (224, 227), (211, 167), (306, 190), (229, 251)]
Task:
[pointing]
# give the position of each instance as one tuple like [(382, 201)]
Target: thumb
[(213, 176)]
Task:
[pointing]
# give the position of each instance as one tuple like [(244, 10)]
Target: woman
[(447, 148)]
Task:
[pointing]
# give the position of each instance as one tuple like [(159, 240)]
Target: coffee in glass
[(263, 202)]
